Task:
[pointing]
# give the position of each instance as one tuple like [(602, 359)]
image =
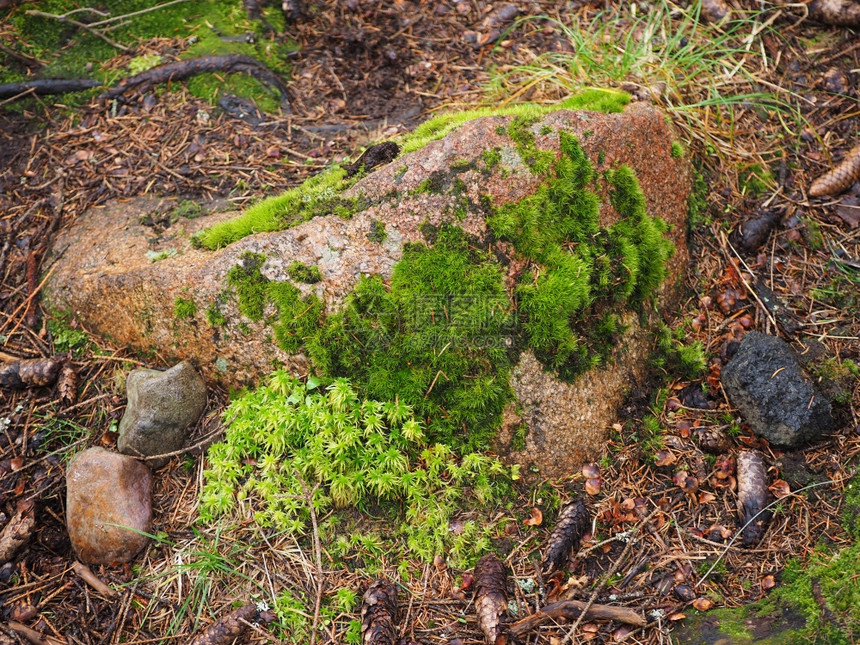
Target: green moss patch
[(578, 266), (184, 308), (301, 272), (444, 334), (319, 195), (360, 451), (74, 53), (295, 318), (436, 338)]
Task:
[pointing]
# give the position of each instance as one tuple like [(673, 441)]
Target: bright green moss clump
[(360, 450), (183, 308), (319, 195), (597, 100), (436, 338), (579, 266)]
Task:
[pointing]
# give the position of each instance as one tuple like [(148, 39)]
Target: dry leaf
[(621, 634), (780, 488), (703, 604), (684, 592), (536, 518), (591, 471), (686, 482), (724, 467), (848, 211), (665, 458), (706, 498)]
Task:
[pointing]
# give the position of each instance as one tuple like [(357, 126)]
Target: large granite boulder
[(194, 305)]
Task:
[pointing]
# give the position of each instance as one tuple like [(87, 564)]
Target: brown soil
[(367, 73)]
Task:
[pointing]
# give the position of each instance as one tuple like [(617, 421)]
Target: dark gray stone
[(161, 406), (108, 506), (765, 382)]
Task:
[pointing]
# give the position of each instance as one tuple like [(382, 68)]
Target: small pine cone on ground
[(491, 602), (379, 614), (572, 523)]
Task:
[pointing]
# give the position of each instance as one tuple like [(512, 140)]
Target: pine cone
[(379, 614), (713, 440), (572, 523), (753, 496), (491, 602)]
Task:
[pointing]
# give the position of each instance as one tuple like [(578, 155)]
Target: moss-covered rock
[(481, 278)]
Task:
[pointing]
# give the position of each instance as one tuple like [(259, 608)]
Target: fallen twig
[(571, 609), (309, 499), (37, 638), (64, 18), (93, 580)]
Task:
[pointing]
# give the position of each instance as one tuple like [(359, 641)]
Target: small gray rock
[(107, 504), (764, 381), (161, 406)]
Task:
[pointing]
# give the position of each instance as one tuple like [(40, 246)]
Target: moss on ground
[(72, 53)]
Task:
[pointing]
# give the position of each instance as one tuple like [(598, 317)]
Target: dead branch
[(46, 86), (571, 609), (182, 69), (37, 638), (309, 499), (19, 529), (93, 580)]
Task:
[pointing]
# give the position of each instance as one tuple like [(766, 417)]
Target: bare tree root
[(47, 86), (182, 69)]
